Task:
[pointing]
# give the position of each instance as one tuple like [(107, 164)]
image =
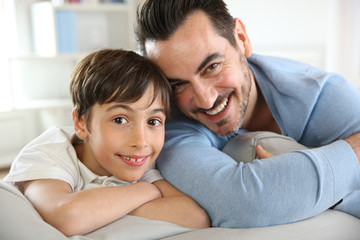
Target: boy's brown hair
[(115, 75)]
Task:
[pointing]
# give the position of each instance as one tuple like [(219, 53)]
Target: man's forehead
[(151, 49), (176, 62), (196, 26)]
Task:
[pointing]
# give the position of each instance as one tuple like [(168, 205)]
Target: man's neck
[(258, 115)]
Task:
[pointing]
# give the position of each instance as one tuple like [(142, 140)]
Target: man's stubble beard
[(239, 122), (243, 105)]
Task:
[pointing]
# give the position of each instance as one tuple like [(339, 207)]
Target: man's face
[(211, 79)]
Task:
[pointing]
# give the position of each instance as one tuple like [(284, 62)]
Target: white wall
[(39, 87), (325, 33)]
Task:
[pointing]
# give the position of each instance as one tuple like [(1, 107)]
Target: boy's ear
[(242, 38), (79, 125)]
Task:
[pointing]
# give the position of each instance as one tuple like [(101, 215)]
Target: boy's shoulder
[(52, 139)]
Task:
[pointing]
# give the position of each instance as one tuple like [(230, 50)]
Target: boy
[(83, 181)]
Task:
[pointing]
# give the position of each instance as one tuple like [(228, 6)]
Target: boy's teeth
[(134, 159), (219, 108)]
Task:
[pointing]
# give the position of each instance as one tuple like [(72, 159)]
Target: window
[(8, 48)]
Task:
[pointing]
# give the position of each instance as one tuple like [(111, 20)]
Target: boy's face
[(124, 139)]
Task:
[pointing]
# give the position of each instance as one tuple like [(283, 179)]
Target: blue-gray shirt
[(314, 107)]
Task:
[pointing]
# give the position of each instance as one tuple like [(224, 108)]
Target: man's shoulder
[(269, 63), (182, 128), (289, 74)]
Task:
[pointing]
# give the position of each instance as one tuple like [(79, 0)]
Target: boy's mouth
[(134, 161)]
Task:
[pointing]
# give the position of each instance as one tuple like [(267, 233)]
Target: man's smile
[(220, 107)]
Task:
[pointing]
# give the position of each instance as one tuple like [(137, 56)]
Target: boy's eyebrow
[(157, 110), (119, 105)]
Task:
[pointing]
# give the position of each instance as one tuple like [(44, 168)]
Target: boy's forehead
[(145, 102)]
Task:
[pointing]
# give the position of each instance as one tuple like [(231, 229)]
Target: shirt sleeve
[(49, 156), (278, 190), (315, 108), (151, 175)]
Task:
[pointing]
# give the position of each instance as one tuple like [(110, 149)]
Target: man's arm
[(354, 142), (78, 213), (317, 112), (278, 190), (175, 207)]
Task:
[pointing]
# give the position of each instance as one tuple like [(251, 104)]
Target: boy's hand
[(174, 207), (81, 212), (262, 153), (150, 190)]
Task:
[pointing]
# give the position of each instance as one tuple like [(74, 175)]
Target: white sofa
[(19, 220)]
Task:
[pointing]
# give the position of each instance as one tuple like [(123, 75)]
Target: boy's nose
[(139, 137)]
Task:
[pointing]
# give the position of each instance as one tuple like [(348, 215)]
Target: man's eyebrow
[(174, 80), (201, 66), (207, 60)]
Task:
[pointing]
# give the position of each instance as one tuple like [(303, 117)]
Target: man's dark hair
[(159, 19)]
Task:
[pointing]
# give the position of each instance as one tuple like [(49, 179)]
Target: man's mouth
[(220, 107)]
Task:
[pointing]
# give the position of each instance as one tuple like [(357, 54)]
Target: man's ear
[(79, 125), (242, 38)]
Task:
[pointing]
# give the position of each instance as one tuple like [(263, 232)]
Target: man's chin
[(223, 130), (225, 133)]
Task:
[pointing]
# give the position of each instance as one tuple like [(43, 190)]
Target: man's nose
[(205, 95)]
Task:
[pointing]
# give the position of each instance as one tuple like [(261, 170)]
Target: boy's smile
[(135, 160)]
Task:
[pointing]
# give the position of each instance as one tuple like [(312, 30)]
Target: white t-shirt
[(52, 156)]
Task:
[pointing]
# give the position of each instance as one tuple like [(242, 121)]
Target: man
[(224, 90)]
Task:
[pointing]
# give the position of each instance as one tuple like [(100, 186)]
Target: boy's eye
[(120, 120), (154, 122)]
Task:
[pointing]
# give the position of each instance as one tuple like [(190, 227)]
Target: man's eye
[(176, 87), (120, 120), (154, 122), (212, 67)]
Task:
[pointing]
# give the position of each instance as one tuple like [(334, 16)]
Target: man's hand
[(262, 153), (354, 142)]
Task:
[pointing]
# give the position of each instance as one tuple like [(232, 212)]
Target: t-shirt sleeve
[(151, 175), (46, 160)]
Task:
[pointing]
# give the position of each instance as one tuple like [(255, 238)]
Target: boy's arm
[(78, 213), (175, 207)]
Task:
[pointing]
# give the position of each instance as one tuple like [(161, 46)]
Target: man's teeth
[(134, 159), (219, 108)]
